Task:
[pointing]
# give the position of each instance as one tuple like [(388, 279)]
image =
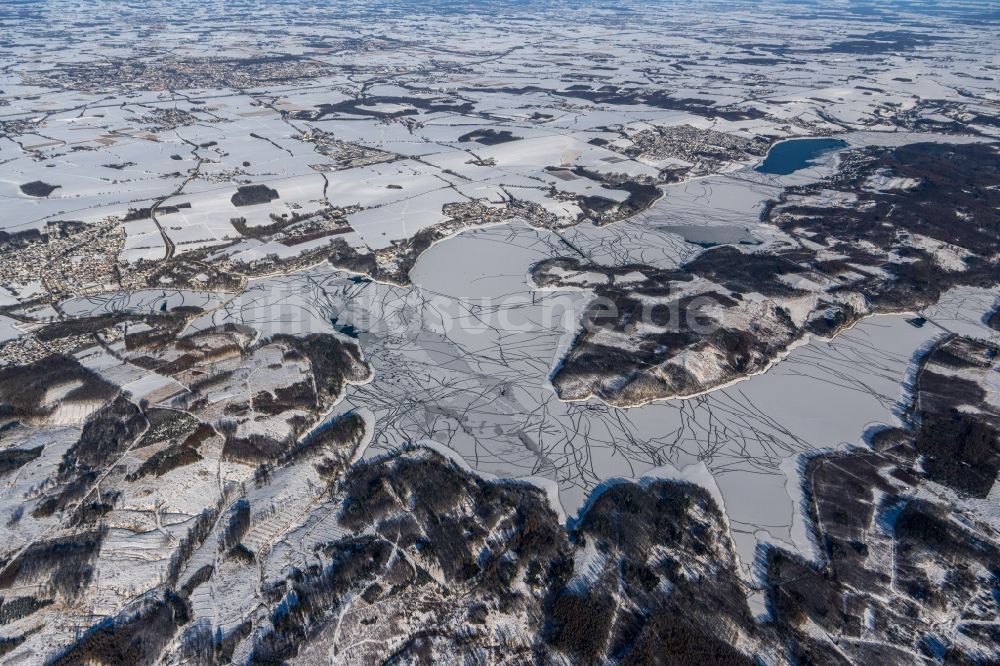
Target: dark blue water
[(346, 329), (790, 156)]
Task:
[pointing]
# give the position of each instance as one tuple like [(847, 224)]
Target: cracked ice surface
[(463, 358)]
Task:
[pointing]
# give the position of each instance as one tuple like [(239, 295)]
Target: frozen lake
[(463, 359)]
